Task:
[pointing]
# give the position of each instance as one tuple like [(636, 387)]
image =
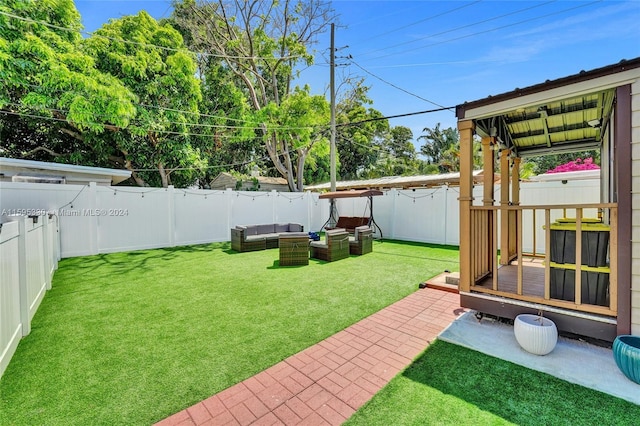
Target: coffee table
[(294, 249)]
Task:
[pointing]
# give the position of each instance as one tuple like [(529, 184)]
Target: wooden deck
[(505, 302), (532, 278)]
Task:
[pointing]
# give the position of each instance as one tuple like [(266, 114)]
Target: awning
[(351, 194)]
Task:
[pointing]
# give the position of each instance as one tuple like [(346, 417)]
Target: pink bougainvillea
[(575, 165)]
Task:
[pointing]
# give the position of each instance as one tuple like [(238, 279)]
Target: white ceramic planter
[(535, 334)]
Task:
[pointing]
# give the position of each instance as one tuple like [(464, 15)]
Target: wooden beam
[(547, 254), (466, 129), (504, 202), (488, 170)]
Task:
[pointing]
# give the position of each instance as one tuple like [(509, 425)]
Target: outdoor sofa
[(260, 237)]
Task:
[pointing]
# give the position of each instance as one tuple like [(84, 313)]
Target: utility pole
[(332, 89), (332, 150)]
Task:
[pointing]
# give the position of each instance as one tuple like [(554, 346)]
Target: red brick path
[(326, 383)]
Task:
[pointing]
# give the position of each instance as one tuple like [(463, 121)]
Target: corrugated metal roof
[(552, 116)]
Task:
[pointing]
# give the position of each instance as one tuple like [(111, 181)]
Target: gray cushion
[(266, 229), (254, 238), (295, 227), (282, 227), (318, 244), (335, 231), (251, 230), (295, 234), (358, 229)]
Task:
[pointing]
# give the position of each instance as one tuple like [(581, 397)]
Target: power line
[(473, 24), (484, 31), (399, 88), (395, 116), (199, 114), (206, 125), (424, 20), (63, 120)]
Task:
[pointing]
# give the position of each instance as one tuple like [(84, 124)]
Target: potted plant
[(626, 352), (535, 333)]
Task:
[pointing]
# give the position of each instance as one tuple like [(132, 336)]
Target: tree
[(52, 94), (544, 163), (398, 156), (437, 142), (154, 64), (358, 141), (293, 123), (261, 43)]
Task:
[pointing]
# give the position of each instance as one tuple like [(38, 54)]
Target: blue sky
[(449, 52)]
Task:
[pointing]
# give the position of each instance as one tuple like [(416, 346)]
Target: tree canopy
[(52, 92), (261, 43), (152, 62)]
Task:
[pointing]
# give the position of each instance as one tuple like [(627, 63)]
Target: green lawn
[(451, 385), (130, 338)]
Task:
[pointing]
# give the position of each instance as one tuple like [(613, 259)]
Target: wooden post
[(466, 129), (488, 200), (515, 182), (488, 171), (515, 219), (504, 202)]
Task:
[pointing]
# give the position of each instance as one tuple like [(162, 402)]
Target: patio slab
[(326, 383), (572, 360)]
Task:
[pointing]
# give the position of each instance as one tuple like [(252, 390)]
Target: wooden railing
[(533, 240)]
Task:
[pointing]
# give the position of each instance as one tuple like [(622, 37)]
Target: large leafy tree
[(228, 134), (261, 43), (52, 95), (293, 123), (398, 155), (151, 60), (360, 133)]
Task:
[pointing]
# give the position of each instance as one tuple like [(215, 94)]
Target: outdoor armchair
[(334, 247), (362, 241)]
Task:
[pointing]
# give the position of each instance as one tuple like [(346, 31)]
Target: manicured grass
[(451, 385), (131, 338)]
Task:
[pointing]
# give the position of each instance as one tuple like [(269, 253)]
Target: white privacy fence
[(100, 219), (29, 253), (75, 220)]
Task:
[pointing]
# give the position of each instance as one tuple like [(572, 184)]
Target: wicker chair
[(362, 241), (294, 249), (334, 247)]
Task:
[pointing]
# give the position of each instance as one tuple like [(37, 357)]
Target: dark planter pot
[(626, 352)]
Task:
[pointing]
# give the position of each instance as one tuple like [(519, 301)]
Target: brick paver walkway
[(326, 383)]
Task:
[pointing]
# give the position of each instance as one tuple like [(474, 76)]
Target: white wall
[(97, 219)]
